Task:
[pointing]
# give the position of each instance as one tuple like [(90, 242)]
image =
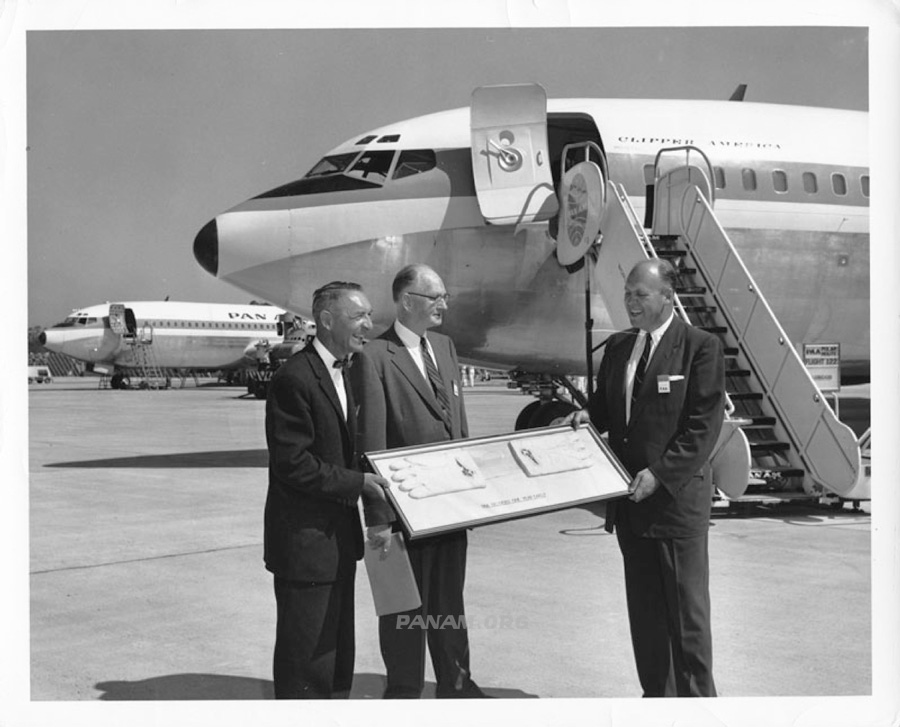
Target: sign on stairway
[(823, 361)]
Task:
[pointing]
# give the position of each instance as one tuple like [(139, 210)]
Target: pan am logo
[(246, 316)]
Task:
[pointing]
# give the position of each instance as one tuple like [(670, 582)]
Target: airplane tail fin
[(739, 92)]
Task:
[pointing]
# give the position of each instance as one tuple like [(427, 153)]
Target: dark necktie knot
[(342, 363)]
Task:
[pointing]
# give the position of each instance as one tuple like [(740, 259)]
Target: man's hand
[(642, 486), (379, 538), (375, 485), (576, 418)]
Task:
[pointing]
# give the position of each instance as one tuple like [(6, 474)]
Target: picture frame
[(466, 483)]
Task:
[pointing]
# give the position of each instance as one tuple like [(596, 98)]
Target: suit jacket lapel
[(402, 359), (327, 386)]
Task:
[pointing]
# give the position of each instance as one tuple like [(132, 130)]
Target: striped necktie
[(435, 378), (641, 368)]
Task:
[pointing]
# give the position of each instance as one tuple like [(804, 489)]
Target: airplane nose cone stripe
[(206, 248)]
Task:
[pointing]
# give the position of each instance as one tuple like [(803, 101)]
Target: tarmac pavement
[(147, 580)]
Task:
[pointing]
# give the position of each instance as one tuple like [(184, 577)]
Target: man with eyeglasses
[(409, 391)]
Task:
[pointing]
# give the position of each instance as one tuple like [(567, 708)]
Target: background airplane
[(148, 336)]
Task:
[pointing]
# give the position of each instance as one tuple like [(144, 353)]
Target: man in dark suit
[(661, 395), (313, 535), (410, 393)]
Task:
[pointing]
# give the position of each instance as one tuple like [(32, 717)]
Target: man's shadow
[(174, 687)]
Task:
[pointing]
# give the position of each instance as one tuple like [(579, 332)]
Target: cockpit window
[(372, 166), (75, 321), (414, 161), (332, 165)]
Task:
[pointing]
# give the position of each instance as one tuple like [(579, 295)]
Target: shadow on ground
[(218, 686), (187, 460)]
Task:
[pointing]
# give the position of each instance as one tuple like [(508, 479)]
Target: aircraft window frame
[(779, 181), (839, 184), (810, 183), (748, 179), (864, 184), (389, 139), (423, 160), (648, 171), (367, 139), (368, 159), (341, 163), (719, 177)]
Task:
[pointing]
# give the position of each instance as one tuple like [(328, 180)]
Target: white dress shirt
[(337, 376), (636, 352), (413, 345)]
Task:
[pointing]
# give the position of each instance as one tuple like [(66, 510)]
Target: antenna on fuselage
[(739, 92)]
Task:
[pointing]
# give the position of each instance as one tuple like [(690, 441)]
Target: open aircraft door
[(117, 319), (510, 154)]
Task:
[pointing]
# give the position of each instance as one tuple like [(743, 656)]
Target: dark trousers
[(314, 639), (667, 589), (439, 565)]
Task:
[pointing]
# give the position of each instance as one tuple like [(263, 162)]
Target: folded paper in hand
[(391, 578)]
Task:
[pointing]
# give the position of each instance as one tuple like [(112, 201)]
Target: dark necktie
[(641, 368), (342, 363), (434, 377)]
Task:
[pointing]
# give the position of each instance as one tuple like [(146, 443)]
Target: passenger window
[(414, 161), (719, 176), (779, 181), (810, 184), (748, 177), (864, 183), (839, 184)]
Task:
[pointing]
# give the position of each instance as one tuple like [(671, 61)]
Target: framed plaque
[(465, 483)]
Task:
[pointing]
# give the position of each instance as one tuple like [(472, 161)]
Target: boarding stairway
[(150, 373), (779, 428)]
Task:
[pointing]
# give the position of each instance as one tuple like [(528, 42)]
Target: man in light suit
[(661, 395), (410, 393), (313, 535)]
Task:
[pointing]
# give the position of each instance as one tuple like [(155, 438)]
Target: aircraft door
[(673, 184), (117, 319), (510, 156)]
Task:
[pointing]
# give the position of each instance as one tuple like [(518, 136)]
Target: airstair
[(781, 440), (150, 373)]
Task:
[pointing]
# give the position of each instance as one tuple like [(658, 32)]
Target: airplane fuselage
[(182, 335), (791, 191)]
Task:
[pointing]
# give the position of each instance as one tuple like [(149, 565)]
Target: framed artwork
[(466, 483)]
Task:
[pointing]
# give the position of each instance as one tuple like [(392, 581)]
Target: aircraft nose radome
[(42, 338), (206, 248)]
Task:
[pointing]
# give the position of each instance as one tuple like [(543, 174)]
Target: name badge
[(664, 382), (455, 389)]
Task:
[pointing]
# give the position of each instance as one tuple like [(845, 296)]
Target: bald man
[(661, 396)]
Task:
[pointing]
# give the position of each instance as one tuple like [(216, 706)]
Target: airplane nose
[(206, 248), (42, 338)]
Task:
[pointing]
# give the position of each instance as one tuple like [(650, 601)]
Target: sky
[(136, 138), (126, 126)]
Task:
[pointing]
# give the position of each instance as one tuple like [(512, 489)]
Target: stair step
[(691, 290), (746, 396), (769, 445), (670, 252), (731, 352), (700, 308), (758, 422), (738, 373), (714, 329)]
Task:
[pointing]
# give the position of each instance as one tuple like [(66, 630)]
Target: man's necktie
[(641, 368), (342, 363), (435, 378)]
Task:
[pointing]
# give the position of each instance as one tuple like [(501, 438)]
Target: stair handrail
[(688, 148)]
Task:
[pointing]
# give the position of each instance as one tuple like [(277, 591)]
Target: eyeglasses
[(445, 297)]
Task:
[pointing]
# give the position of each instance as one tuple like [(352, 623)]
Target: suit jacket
[(312, 527), (672, 433), (397, 406)]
